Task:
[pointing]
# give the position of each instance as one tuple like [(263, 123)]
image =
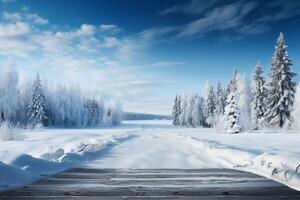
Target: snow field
[(271, 154)]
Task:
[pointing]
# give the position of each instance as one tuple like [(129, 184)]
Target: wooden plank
[(150, 191), (79, 175), (154, 182), (163, 170), (220, 197), (86, 183)]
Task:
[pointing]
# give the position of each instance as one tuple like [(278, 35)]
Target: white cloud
[(86, 29), (14, 29), (24, 16), (15, 17), (111, 41), (36, 19), (8, 1), (25, 8), (166, 64), (109, 27)]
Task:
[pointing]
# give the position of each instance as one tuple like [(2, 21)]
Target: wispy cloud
[(221, 18), (240, 18), (110, 27), (194, 7), (166, 64), (8, 1), (37, 19), (24, 16), (11, 16)]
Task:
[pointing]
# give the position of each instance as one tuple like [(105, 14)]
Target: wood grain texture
[(187, 184)]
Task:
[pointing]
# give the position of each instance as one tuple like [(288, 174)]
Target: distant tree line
[(144, 116), (36, 104), (240, 107)]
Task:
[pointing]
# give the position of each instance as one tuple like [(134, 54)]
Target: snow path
[(154, 148)]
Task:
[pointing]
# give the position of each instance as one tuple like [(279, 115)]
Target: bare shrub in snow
[(38, 126), (7, 132)]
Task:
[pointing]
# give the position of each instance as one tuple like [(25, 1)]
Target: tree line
[(34, 104), (241, 106)]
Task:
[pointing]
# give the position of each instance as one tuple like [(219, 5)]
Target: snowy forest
[(36, 104), (272, 102)]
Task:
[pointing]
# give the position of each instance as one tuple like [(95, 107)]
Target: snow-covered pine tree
[(37, 107), (189, 110), (113, 113), (281, 88), (259, 95), (10, 95), (232, 115), (95, 112), (232, 86), (243, 97), (92, 108), (205, 94), (220, 101), (197, 114), (210, 107), (176, 111), (183, 111)]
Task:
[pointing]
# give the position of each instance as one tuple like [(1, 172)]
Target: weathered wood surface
[(187, 184)]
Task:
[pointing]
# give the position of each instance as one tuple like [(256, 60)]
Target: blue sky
[(144, 52)]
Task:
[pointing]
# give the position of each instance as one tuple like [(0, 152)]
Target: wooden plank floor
[(187, 184)]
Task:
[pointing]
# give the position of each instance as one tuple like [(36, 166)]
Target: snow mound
[(21, 168), (281, 168), (11, 176), (36, 165)]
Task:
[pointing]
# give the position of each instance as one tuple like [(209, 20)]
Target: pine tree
[(232, 86), (10, 95), (210, 107), (232, 115), (112, 114), (37, 106), (197, 113), (281, 88), (190, 107), (92, 108), (183, 112), (176, 110), (259, 95), (220, 101), (243, 98)]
